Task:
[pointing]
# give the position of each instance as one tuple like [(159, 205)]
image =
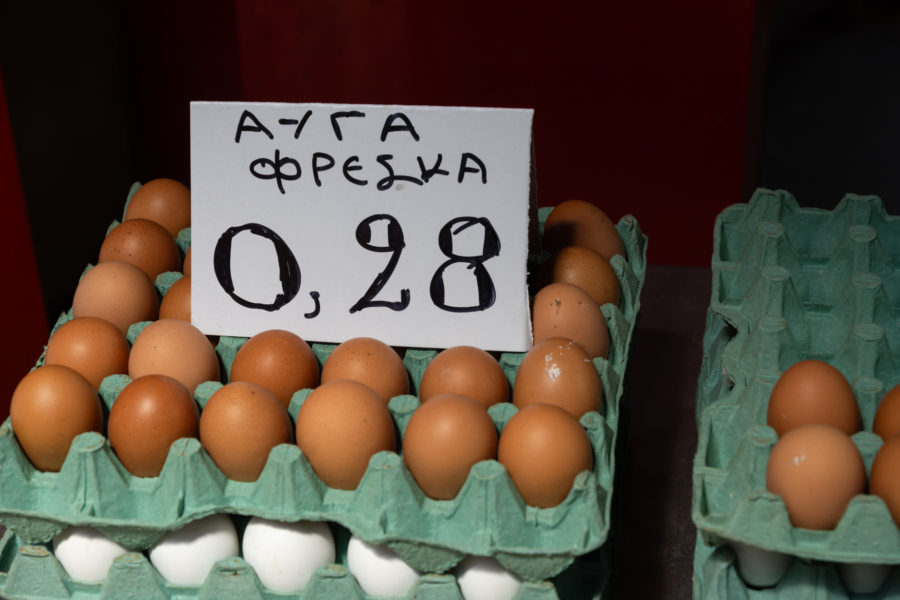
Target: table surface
[(653, 541), (654, 544)]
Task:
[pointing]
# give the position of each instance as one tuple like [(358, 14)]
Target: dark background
[(667, 111)]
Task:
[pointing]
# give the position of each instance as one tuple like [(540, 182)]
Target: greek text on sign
[(404, 223)]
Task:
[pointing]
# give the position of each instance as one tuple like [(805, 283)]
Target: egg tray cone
[(488, 517), (791, 283), (32, 572)]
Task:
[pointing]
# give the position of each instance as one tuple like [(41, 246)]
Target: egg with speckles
[(558, 371)]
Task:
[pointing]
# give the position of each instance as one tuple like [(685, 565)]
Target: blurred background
[(668, 111)]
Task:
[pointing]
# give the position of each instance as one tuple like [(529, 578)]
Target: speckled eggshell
[(165, 201), (887, 416), (143, 243), (240, 424), (176, 304), (558, 371), (116, 291), (883, 479), (340, 426), (444, 438), (371, 362), (580, 223), (465, 370), (566, 310), (148, 415), (186, 267), (92, 346), (49, 407), (817, 470), (175, 348), (585, 268), (280, 361), (812, 391), (543, 449)]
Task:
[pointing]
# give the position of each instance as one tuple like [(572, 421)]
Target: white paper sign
[(404, 223)]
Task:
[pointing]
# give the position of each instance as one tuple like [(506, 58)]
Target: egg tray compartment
[(814, 267), (488, 517), (32, 572), (779, 297), (717, 577)]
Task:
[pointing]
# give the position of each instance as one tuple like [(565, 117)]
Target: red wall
[(640, 108), (22, 318)]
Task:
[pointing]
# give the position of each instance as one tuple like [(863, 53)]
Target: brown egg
[(465, 370), (186, 269), (280, 361), (49, 407), (175, 348), (558, 371), (148, 415), (887, 416), (118, 292), (445, 437), (240, 425), (566, 310), (340, 426), (543, 449), (371, 362), (812, 391), (883, 479), (580, 223), (176, 304), (816, 469), (92, 346), (145, 244), (165, 201), (585, 268)]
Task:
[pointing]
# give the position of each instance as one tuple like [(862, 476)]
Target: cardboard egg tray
[(791, 283), (32, 572), (488, 517)]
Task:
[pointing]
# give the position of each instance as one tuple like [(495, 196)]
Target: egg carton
[(32, 572), (717, 576), (792, 283), (488, 517)]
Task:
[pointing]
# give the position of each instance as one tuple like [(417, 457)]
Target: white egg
[(185, 556), (379, 571), (286, 555), (483, 578), (85, 553)]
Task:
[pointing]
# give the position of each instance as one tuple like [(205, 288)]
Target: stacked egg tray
[(487, 518), (791, 283)]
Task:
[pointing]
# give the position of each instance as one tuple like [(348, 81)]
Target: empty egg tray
[(488, 517), (791, 283)]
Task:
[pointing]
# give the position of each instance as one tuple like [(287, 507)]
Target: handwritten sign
[(404, 223)]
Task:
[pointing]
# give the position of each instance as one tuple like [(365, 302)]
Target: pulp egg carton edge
[(717, 576), (32, 572), (487, 518), (791, 283)]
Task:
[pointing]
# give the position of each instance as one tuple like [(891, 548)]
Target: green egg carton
[(488, 517), (32, 572), (717, 577), (791, 283)]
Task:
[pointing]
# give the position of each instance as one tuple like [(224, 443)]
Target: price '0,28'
[(289, 268)]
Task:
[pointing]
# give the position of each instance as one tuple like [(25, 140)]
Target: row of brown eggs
[(173, 348), (814, 466)]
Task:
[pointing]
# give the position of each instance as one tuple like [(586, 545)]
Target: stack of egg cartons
[(560, 552), (792, 283)]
